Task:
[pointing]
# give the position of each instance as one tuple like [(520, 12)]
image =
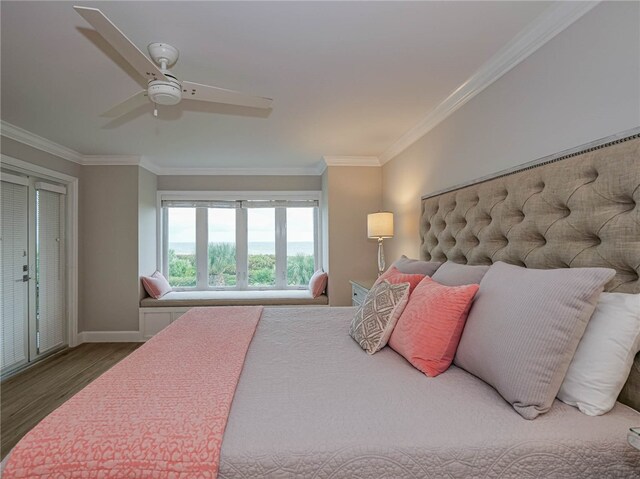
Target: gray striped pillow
[(524, 327)]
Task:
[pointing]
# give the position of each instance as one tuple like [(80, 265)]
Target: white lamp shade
[(380, 225)]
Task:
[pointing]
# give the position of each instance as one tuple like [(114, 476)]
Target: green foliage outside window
[(182, 270), (262, 270), (222, 264), (222, 268), (300, 268)]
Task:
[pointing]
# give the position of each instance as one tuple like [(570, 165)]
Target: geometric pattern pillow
[(375, 319)]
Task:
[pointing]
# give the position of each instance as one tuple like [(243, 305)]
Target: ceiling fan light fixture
[(164, 92)]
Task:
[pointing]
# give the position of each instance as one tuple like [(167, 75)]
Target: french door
[(32, 290)]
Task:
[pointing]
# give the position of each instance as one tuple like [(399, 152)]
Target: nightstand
[(359, 290)]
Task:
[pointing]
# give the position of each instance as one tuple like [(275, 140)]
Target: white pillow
[(604, 356)]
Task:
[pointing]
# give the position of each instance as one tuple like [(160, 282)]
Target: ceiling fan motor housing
[(164, 92)]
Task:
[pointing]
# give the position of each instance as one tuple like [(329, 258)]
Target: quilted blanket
[(159, 413)]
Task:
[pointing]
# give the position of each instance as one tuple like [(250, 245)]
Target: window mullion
[(165, 242), (241, 248), (202, 259), (316, 239), (281, 248)]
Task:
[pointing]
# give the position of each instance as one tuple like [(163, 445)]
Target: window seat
[(234, 298)]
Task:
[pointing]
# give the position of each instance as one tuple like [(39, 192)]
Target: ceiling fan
[(163, 88)]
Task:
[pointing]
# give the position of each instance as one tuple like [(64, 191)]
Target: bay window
[(266, 241)]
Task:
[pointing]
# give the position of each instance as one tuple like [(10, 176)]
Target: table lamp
[(380, 226)]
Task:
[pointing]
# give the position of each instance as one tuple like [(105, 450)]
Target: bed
[(309, 403)]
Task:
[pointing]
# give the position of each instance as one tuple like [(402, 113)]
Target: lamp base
[(381, 264)]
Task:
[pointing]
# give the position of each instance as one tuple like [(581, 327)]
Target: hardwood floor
[(26, 398)]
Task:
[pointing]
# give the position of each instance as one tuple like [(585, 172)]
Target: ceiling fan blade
[(118, 40), (196, 91), (128, 105)]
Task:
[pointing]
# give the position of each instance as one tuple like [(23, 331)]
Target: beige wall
[(108, 224), (352, 193), (239, 183), (147, 224), (324, 215), (581, 86)]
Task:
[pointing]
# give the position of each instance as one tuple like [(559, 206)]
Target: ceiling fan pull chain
[(155, 110)]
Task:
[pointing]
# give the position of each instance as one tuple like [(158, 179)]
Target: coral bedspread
[(150, 416)]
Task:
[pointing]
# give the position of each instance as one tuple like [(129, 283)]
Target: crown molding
[(169, 171), (351, 161), (31, 139), (116, 160), (552, 21)]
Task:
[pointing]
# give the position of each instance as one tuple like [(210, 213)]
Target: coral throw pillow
[(394, 276), (156, 285), (318, 283), (428, 332)]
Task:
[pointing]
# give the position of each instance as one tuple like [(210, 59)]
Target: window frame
[(242, 257)]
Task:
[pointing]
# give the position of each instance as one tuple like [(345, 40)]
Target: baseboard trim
[(110, 337)]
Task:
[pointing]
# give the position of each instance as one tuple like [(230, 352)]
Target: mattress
[(311, 404)]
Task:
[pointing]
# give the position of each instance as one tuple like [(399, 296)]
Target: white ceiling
[(347, 78)]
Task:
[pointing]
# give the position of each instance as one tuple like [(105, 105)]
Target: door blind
[(50, 298), (14, 291)]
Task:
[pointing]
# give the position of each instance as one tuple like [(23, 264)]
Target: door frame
[(71, 227)]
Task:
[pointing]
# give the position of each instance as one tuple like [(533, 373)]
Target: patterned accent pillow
[(375, 319)]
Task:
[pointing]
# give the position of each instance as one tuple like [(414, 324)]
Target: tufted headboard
[(575, 209)]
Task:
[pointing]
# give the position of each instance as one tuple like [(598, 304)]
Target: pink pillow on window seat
[(156, 285), (318, 283)]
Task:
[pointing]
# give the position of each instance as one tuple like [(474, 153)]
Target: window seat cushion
[(235, 298)]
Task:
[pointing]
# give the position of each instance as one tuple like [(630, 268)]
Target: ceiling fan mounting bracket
[(163, 54)]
